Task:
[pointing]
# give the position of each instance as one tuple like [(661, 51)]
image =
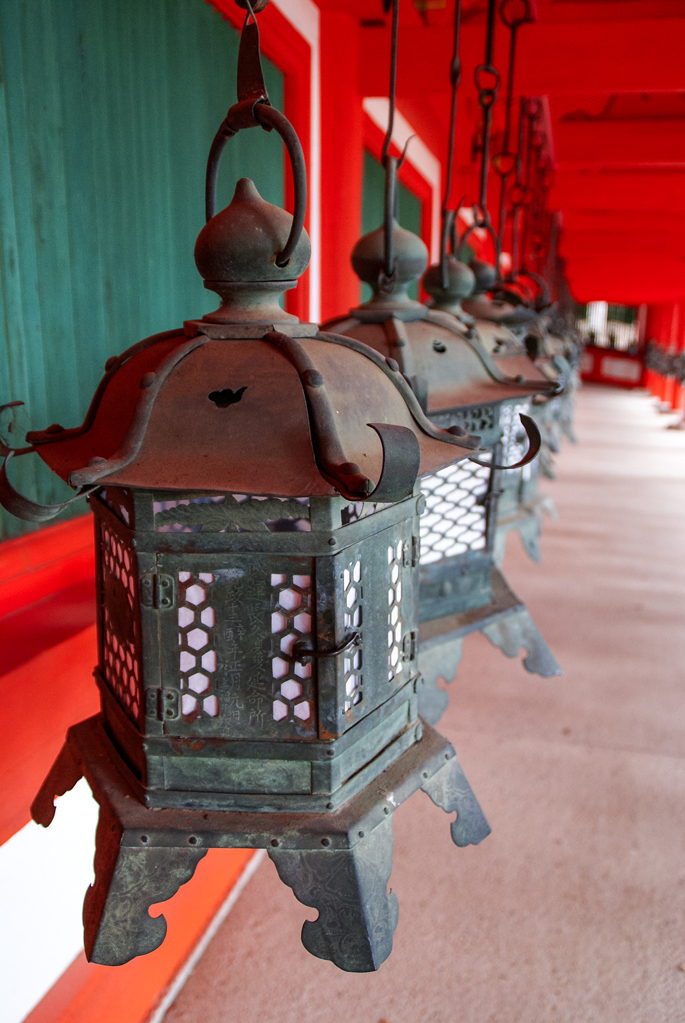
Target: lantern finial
[(236, 253)]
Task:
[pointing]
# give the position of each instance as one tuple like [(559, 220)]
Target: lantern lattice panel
[(232, 513), (352, 662), (197, 657), (291, 623), (455, 518), (120, 657), (395, 622), (478, 419), (360, 510)]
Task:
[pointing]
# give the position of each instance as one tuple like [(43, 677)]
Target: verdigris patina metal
[(257, 540)]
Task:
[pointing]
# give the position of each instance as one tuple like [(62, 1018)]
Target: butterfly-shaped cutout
[(222, 399)]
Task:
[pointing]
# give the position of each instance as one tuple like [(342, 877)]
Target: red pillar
[(342, 160), (664, 325)]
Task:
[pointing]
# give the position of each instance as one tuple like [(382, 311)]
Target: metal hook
[(534, 442), (5, 449), (302, 652), (254, 109), (23, 507)]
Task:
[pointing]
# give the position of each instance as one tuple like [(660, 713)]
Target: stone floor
[(573, 910)]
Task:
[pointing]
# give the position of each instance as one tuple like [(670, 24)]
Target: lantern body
[(218, 618), (464, 384), (516, 329)]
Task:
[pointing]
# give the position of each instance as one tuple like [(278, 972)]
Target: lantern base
[(454, 585), (338, 862), (508, 625)]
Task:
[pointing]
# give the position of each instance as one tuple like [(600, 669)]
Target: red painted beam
[(629, 55), (635, 280), (621, 244), (634, 143), (647, 224), (619, 189)]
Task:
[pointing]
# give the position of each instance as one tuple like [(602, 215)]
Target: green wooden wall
[(107, 111), (409, 208)]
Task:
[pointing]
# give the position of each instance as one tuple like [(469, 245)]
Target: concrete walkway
[(573, 910)]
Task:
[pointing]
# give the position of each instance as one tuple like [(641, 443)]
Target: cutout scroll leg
[(529, 529), (517, 630), (64, 774), (436, 662), (349, 887), (128, 880), (450, 790)]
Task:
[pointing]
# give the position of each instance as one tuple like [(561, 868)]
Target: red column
[(679, 339), (664, 325), (342, 161)]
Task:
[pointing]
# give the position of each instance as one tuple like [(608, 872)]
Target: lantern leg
[(349, 887), (438, 661), (516, 630), (66, 771), (128, 880), (529, 530), (450, 790)]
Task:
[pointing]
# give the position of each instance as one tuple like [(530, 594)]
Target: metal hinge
[(410, 553), (163, 704), (157, 591), (409, 646)]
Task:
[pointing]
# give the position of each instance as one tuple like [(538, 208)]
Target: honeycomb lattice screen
[(453, 521), (119, 633), (395, 624), (352, 662), (197, 657), (291, 621)]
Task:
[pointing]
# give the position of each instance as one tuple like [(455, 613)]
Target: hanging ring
[(254, 109), (509, 16), (487, 79)]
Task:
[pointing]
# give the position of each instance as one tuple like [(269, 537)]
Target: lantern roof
[(449, 360), (247, 408)]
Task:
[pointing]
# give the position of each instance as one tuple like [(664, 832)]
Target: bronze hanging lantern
[(253, 484), (512, 314), (466, 385), (506, 321)]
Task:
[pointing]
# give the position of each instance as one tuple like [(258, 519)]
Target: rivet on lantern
[(257, 582)]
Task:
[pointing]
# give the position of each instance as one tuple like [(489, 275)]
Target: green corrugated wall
[(409, 208), (107, 111)]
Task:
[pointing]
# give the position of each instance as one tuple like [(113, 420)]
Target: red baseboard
[(36, 565), (86, 993)]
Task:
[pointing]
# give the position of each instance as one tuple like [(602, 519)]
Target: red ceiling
[(614, 75)]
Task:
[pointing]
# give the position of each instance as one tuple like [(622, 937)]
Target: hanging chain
[(392, 91), (514, 14), (518, 193), (487, 81), (448, 216), (390, 163), (532, 113)]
